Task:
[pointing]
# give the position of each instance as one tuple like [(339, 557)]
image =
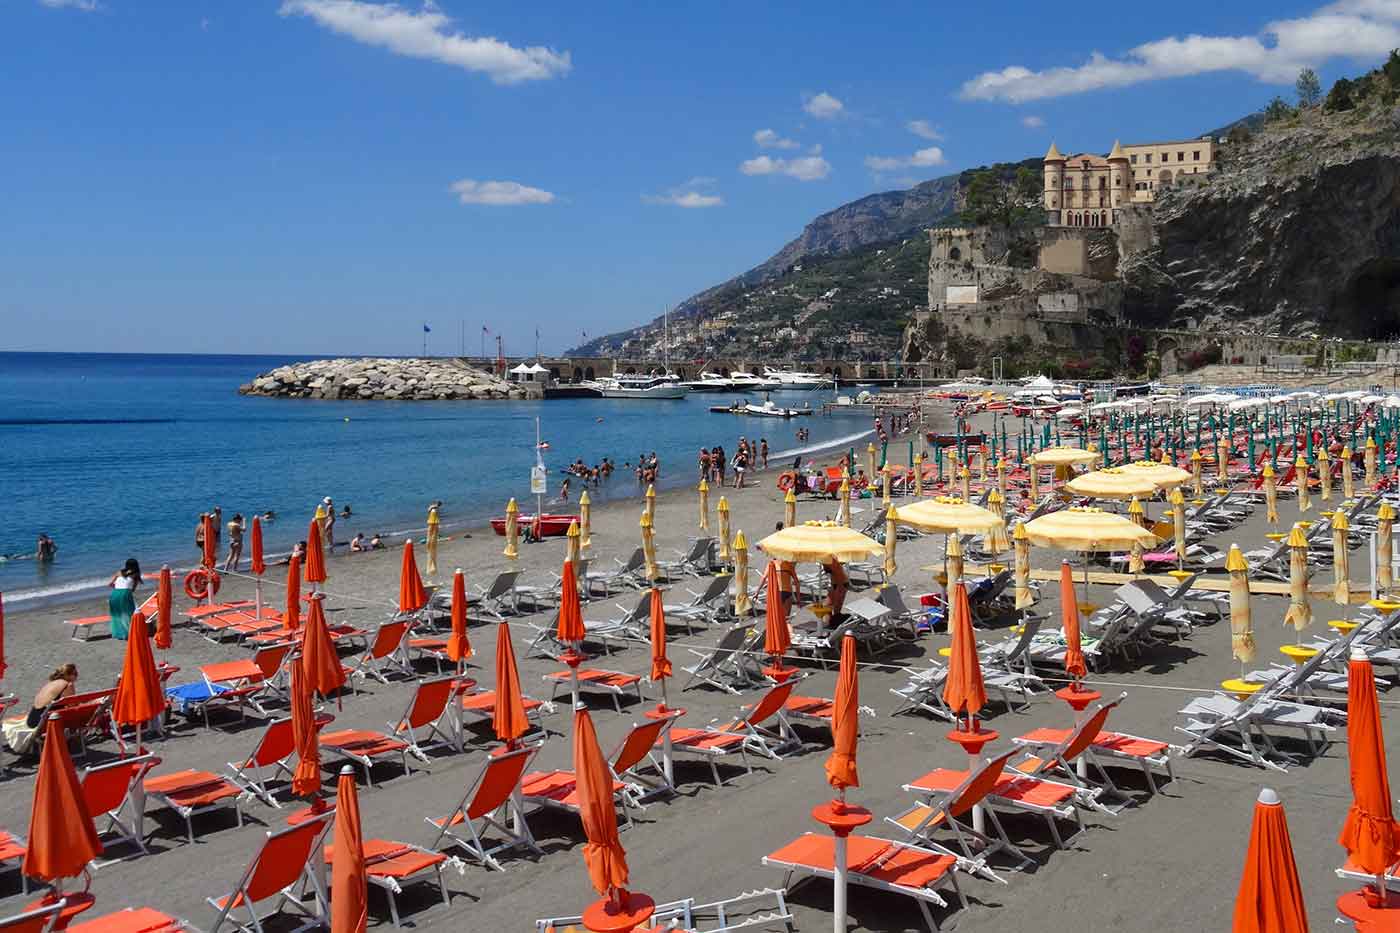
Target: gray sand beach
[(1171, 862)]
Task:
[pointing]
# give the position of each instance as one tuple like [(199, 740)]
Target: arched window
[(1164, 178)]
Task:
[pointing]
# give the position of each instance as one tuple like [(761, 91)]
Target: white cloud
[(689, 195), (805, 168), (1032, 122), (86, 6), (769, 139), (823, 106), (1355, 29), (499, 193), (425, 34), (924, 129), (924, 158)]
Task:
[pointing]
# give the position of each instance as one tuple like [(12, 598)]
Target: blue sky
[(322, 176)]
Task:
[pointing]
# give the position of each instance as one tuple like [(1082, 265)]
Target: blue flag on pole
[(427, 329)]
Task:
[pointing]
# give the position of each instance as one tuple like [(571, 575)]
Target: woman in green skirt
[(122, 603)]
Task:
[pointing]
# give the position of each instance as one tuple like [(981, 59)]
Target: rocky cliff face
[(417, 379), (1298, 234)]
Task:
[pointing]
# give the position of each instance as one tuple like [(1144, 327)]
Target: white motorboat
[(709, 382), (642, 387), (798, 380)]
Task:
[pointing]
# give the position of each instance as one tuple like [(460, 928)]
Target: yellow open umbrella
[(819, 542), (1385, 536), (1341, 568), (948, 515), (1161, 475), (1084, 528), (1062, 456), (1299, 610), (704, 490), (1270, 495), (1112, 483), (1301, 465), (1324, 473), (1241, 625)]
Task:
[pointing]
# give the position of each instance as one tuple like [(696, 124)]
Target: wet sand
[(1172, 862)]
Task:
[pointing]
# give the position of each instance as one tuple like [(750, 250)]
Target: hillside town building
[(1089, 190)]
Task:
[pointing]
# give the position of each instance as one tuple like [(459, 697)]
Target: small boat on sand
[(551, 526)]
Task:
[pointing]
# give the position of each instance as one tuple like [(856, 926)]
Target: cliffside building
[(1088, 190)]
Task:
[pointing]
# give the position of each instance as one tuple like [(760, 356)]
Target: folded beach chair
[(131, 920), (270, 758), (615, 684), (280, 864), (748, 733), (12, 849), (387, 652), (191, 793), (483, 809), (115, 791), (895, 867), (500, 596), (392, 865), (728, 665)]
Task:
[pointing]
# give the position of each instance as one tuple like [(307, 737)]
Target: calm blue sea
[(115, 455)]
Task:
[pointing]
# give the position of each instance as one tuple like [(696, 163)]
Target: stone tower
[(1054, 184), (1120, 179)]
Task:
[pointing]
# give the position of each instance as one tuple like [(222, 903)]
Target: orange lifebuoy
[(201, 583), (786, 480)]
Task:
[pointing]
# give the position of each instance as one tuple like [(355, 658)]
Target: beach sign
[(538, 480)]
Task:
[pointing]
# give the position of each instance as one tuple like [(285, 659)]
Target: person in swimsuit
[(59, 685), (836, 593), (45, 550), (235, 542)]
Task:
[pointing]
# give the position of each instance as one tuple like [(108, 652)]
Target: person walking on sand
[(121, 603), (763, 452), (328, 526), (235, 542)]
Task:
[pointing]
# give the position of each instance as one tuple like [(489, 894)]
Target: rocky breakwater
[(415, 379)]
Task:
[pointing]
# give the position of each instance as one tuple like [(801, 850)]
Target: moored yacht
[(642, 387)]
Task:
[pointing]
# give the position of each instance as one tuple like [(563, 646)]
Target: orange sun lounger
[(614, 683), (745, 734), (281, 862), (365, 747), (115, 790), (12, 849), (387, 652), (483, 807), (269, 759), (871, 862), (1067, 744), (391, 865), (482, 706), (559, 789), (190, 793), (131, 920)]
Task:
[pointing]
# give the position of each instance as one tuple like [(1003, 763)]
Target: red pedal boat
[(551, 526)]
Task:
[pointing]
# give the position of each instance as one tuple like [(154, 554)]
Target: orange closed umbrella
[(259, 565), (210, 557), (349, 880), (508, 718), (139, 695), (322, 665), (1270, 899), (458, 647), (291, 614), (603, 854), (306, 779), (845, 725), (412, 596), (777, 639), (1370, 834), (660, 664), (62, 839), (315, 569), (1069, 621), (570, 630), (963, 691), (165, 608)]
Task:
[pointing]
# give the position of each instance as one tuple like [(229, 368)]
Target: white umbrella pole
[(838, 900)]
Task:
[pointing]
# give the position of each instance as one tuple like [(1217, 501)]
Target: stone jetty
[(359, 378)]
